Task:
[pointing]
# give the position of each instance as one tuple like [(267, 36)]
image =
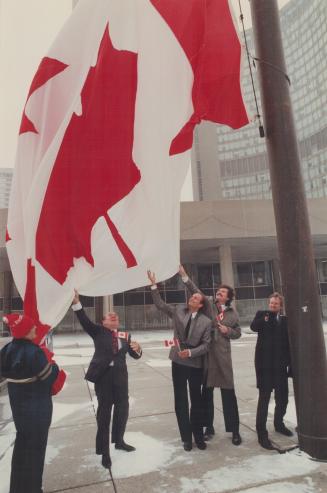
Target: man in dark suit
[(272, 365), (192, 331), (108, 372)]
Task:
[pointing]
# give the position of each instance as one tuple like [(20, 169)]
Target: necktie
[(187, 328), (114, 336)]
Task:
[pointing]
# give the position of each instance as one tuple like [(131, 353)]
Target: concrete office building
[(220, 240), (228, 233), (5, 186), (229, 164)]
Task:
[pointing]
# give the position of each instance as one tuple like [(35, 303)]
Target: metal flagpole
[(297, 264)]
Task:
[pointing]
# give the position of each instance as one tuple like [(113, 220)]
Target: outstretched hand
[(182, 271), (152, 277)]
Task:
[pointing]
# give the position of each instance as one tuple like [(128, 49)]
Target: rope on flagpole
[(261, 129)]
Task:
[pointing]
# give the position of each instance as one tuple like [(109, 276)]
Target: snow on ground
[(51, 453), (61, 410), (150, 455), (250, 472), (78, 351), (5, 466), (72, 360), (152, 336), (159, 363), (306, 486), (5, 408)]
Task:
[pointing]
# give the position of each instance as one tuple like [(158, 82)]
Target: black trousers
[(111, 390), (281, 401), (190, 420), (230, 408), (28, 459), (32, 413)]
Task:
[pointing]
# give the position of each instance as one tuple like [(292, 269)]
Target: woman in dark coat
[(30, 378), (272, 365)]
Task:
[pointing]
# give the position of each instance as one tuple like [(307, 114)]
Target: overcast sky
[(27, 29)]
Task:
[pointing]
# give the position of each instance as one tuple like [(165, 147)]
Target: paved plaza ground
[(159, 464)]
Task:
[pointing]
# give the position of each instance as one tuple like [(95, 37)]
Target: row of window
[(253, 280)]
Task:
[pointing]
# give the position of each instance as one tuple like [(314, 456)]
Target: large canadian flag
[(104, 145)]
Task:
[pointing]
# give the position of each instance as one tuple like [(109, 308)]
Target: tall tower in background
[(238, 158), (205, 163)]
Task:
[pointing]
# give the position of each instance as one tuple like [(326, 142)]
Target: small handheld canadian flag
[(123, 335), (220, 317), (172, 343)]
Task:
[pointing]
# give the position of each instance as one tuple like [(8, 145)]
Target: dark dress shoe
[(284, 431), (265, 442), (106, 461), (201, 444), (209, 433), (187, 446), (124, 446), (236, 438)]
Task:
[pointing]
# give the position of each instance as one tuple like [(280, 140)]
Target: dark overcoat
[(272, 352), (30, 377), (24, 361)]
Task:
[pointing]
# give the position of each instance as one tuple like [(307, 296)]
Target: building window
[(87, 301), (322, 270), (253, 280), (209, 278), (17, 303), (243, 275), (261, 274), (134, 298)]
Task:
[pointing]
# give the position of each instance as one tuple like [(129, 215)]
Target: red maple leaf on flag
[(75, 170), (205, 31), (48, 68), (94, 168)]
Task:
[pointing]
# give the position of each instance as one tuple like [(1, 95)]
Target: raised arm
[(157, 300), (192, 288), (90, 328)]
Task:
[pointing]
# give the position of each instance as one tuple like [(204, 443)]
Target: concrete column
[(98, 309), (276, 275), (226, 265), (108, 304)]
